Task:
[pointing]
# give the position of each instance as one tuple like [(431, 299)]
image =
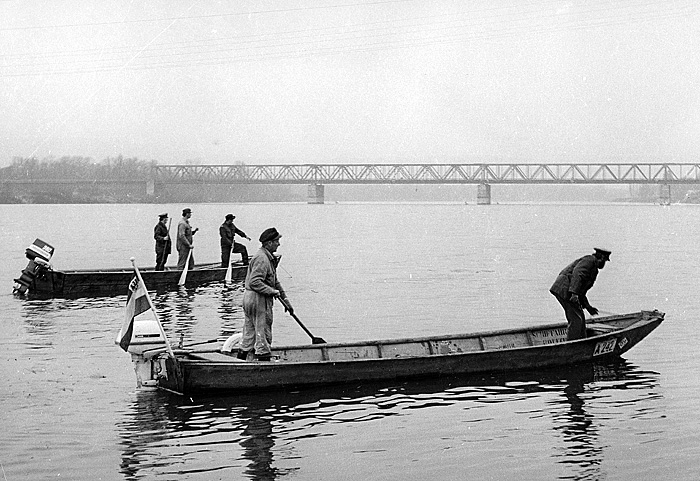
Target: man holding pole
[(227, 232), (261, 289), (161, 233), (184, 240)]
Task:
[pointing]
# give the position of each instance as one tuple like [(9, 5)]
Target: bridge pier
[(665, 194), (316, 193), (483, 194), (151, 188)]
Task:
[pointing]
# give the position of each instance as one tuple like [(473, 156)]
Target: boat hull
[(112, 282), (493, 352)]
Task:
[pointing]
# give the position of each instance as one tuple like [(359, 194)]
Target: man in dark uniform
[(161, 233), (228, 231), (571, 286)]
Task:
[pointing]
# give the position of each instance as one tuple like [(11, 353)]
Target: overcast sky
[(301, 81)]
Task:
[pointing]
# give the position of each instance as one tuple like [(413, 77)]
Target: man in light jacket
[(261, 289), (184, 239), (571, 286)]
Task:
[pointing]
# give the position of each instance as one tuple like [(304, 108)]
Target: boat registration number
[(604, 347)]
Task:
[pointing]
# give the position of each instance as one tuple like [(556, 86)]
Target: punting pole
[(229, 269), (183, 276)]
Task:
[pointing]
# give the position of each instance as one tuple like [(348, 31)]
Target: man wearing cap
[(261, 289), (571, 286), (184, 239), (227, 232), (161, 233)]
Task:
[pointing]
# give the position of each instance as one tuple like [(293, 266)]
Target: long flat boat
[(41, 280), (193, 371), (110, 282)]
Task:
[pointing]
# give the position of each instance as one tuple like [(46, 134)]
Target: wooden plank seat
[(601, 327)]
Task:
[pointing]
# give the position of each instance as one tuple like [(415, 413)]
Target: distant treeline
[(82, 168), (132, 171)]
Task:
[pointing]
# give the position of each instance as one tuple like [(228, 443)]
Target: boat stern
[(150, 371), (39, 255), (147, 349)]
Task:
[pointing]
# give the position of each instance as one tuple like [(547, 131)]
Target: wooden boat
[(193, 371), (40, 279)]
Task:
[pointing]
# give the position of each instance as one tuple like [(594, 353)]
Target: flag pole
[(153, 309)]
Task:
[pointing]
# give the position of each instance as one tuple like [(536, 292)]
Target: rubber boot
[(242, 355)]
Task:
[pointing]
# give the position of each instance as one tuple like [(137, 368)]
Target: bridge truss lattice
[(591, 173)]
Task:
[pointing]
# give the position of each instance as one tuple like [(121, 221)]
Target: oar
[(168, 243), (183, 276), (314, 339), (227, 277)]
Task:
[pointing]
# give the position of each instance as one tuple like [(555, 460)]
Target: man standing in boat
[(185, 236), (571, 286), (228, 231), (161, 233), (261, 289)]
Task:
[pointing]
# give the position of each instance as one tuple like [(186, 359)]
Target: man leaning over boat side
[(227, 232), (184, 239), (571, 286), (163, 243), (261, 288)]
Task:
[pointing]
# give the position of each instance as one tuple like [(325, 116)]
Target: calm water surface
[(70, 409)]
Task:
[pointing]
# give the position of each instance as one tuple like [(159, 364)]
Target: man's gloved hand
[(288, 306), (592, 311)]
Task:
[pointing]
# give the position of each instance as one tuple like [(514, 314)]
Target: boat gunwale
[(148, 270), (184, 356), (498, 332)]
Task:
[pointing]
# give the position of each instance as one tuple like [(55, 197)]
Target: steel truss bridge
[(484, 175), (603, 173)]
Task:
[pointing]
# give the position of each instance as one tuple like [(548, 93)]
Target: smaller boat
[(40, 279), (194, 371)]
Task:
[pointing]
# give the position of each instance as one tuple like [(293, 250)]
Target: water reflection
[(43, 318), (257, 443), (261, 436), (581, 446), (230, 309), (582, 450)]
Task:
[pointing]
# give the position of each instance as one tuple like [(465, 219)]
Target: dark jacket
[(162, 237), (576, 278), (227, 232)]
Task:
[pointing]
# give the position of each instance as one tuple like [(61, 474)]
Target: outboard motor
[(39, 254), (146, 348)]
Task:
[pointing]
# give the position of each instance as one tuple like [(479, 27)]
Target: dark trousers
[(161, 258), (237, 249), (574, 317)]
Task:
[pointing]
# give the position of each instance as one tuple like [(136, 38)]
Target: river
[(71, 410)]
